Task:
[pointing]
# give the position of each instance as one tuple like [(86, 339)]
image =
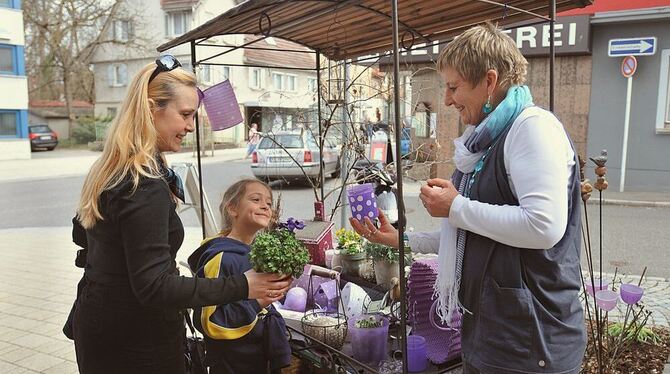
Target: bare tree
[(62, 37)]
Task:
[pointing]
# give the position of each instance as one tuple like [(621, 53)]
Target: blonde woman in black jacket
[(126, 318)]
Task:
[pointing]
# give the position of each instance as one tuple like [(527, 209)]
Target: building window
[(256, 78), (8, 123), (177, 23), (121, 30), (291, 82), (277, 82), (8, 60), (206, 73), (311, 84), (117, 75), (284, 82), (663, 107), (226, 72), (16, 4)]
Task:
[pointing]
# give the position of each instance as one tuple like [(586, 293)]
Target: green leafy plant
[(368, 323), (278, 251), (380, 252), (640, 334), (349, 242)]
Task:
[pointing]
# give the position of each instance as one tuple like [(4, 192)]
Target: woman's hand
[(386, 234), (437, 197), (267, 288)]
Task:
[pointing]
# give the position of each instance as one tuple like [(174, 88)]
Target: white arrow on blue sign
[(632, 47)]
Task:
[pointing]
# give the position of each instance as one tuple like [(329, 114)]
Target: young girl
[(246, 336)]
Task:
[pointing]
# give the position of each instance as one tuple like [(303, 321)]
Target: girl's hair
[(231, 198), (131, 145)]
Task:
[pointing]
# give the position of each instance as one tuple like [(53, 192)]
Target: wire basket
[(329, 328)]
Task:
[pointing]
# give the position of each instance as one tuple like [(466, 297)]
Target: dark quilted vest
[(527, 317)]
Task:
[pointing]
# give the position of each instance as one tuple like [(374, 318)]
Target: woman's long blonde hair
[(131, 146), (231, 198)]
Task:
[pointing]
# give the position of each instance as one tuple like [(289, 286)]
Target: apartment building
[(14, 142), (271, 95)]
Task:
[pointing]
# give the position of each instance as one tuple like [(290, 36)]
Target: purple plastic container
[(589, 288), (362, 201), (417, 360), (369, 345), (630, 293), (606, 299)]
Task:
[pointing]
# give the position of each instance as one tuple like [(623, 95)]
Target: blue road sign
[(632, 47)]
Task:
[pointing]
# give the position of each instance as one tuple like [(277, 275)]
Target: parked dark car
[(42, 136)]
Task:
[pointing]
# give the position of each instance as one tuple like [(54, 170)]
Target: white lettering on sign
[(571, 36), (557, 35), (421, 51), (526, 33)]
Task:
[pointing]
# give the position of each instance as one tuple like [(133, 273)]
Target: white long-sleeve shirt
[(539, 161)]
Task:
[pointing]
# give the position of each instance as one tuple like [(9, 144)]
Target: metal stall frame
[(302, 22)]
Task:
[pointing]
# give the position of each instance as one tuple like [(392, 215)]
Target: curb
[(635, 203), (84, 173), (647, 278)]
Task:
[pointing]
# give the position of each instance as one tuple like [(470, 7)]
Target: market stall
[(343, 31)]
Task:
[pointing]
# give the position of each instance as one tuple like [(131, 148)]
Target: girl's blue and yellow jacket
[(241, 337)]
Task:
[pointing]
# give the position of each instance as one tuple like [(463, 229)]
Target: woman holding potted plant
[(247, 336)]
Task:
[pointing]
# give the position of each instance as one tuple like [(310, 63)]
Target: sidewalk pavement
[(39, 279), (76, 163)]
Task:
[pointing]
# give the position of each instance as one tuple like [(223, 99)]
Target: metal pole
[(318, 117), (197, 142), (552, 52), (401, 202), (626, 123), (344, 174)]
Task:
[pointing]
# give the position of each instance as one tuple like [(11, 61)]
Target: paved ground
[(38, 277)]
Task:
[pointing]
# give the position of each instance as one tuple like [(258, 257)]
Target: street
[(633, 237)]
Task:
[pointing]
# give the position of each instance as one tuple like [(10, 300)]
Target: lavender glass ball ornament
[(606, 299), (630, 293), (296, 299)]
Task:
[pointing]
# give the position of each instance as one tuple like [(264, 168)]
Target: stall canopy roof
[(342, 29)]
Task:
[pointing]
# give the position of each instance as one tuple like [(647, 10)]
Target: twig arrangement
[(603, 342)]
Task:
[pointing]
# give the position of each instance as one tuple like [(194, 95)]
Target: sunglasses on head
[(164, 63)]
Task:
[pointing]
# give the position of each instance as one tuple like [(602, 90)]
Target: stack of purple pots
[(442, 343)]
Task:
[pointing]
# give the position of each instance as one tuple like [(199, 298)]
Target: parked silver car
[(282, 155)]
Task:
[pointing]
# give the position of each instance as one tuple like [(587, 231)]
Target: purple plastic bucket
[(369, 345), (417, 359), (589, 286), (630, 293), (362, 201), (606, 299)]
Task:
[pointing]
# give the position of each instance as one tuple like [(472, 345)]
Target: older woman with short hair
[(509, 244)]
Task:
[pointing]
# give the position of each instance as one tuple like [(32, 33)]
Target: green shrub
[(85, 132), (278, 251)]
